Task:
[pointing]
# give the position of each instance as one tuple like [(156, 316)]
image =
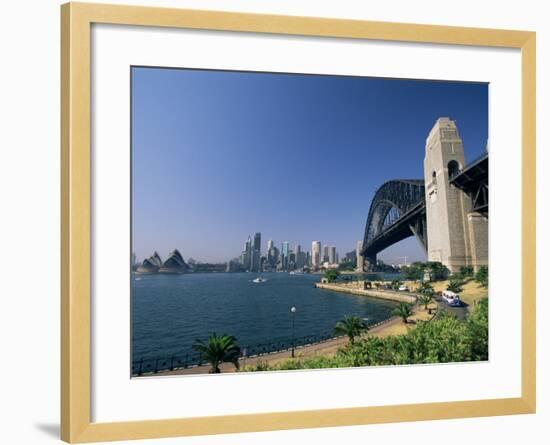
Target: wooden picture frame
[(76, 21)]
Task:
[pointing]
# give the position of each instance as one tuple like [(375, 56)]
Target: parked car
[(403, 289), (451, 298)]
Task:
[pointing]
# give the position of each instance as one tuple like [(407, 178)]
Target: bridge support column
[(447, 207), (370, 263), (478, 226), (418, 228)]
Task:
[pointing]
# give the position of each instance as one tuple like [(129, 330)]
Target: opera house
[(175, 264)]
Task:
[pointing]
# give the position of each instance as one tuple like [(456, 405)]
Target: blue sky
[(218, 156)]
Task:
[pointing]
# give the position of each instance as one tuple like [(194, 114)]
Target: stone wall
[(456, 236), (350, 288)]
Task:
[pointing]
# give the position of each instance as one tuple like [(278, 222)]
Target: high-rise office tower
[(258, 241), (273, 256), (291, 260), (316, 254), (325, 254), (270, 245), (300, 257), (246, 255), (256, 253), (332, 255), (285, 251)]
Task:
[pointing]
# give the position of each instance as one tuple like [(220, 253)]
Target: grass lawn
[(399, 328), (472, 290)]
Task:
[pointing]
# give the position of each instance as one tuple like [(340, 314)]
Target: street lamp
[(292, 313)]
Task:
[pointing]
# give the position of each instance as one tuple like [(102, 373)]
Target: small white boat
[(259, 280)]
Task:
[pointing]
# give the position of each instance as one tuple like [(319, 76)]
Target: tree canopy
[(442, 340)]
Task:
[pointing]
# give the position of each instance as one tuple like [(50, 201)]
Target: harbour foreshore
[(328, 347), (353, 288), (390, 326)]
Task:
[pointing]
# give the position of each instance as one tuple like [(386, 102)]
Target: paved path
[(328, 347), (461, 312)]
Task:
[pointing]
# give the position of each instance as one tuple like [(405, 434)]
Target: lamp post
[(292, 313)]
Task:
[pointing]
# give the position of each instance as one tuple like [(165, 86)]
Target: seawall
[(375, 293)]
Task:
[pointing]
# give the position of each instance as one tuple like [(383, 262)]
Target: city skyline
[(216, 153), (328, 252)]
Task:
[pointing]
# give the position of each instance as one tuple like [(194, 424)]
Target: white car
[(451, 298), (403, 289)]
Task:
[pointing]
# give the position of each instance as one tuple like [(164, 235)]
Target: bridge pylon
[(456, 235)]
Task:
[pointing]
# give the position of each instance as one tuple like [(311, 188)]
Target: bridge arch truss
[(397, 211)]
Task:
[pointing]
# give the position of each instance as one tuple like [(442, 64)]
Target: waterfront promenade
[(391, 326), (355, 288)]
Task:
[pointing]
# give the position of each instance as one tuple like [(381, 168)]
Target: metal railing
[(191, 359)]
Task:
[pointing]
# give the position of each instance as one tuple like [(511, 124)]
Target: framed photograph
[(293, 213)]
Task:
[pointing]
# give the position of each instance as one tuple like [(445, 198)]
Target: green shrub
[(442, 340), (466, 272), (482, 276)]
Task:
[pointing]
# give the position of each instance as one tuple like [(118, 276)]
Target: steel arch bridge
[(397, 211)]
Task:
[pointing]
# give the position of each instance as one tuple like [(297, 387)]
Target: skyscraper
[(325, 254), (316, 254), (258, 241), (300, 257), (273, 256), (270, 245), (256, 253), (285, 251), (246, 255), (332, 255)]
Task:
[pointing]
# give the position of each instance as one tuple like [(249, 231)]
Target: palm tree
[(218, 349), (403, 310), (427, 293), (352, 326), (425, 300), (426, 288), (455, 286)]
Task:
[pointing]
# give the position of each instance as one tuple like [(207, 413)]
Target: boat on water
[(259, 280)]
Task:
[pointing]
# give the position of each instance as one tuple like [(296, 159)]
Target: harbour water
[(169, 312)]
